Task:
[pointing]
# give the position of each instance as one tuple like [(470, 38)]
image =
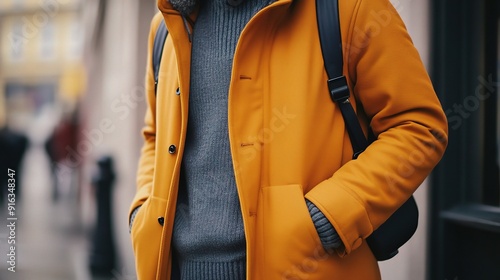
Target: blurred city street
[(54, 227), (53, 237), (49, 241), (61, 68)]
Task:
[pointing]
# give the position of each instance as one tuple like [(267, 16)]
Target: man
[(246, 170)]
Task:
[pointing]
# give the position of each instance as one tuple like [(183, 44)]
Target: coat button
[(178, 91), (161, 221), (172, 149), (357, 242), (234, 3)]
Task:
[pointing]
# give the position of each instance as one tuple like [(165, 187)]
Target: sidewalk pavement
[(49, 241)]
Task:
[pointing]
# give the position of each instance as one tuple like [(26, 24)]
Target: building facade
[(41, 52)]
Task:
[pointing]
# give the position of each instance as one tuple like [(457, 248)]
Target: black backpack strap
[(160, 37), (327, 14)]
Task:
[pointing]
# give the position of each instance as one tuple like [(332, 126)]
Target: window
[(491, 131), (465, 196), (498, 95), (47, 47), (75, 39), (18, 4), (17, 42)]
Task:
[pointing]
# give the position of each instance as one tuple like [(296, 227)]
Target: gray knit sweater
[(208, 236)]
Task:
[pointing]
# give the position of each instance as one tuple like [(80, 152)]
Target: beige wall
[(116, 66), (410, 264)]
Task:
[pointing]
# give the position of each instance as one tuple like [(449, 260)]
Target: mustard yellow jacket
[(288, 139)]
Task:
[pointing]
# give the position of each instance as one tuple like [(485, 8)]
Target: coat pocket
[(292, 249), (289, 246), (146, 236)]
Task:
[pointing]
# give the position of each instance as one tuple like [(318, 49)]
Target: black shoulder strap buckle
[(339, 90)]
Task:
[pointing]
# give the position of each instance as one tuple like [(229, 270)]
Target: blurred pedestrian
[(13, 146)]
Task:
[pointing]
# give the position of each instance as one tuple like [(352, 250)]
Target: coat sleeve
[(147, 158), (391, 84)]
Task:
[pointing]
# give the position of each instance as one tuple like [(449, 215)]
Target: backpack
[(385, 241)]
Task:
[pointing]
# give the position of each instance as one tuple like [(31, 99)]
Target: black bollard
[(102, 257)]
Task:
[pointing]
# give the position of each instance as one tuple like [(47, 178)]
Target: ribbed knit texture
[(327, 233), (213, 270), (208, 236), (132, 217)]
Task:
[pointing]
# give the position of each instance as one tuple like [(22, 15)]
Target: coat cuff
[(353, 225), (327, 233)]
